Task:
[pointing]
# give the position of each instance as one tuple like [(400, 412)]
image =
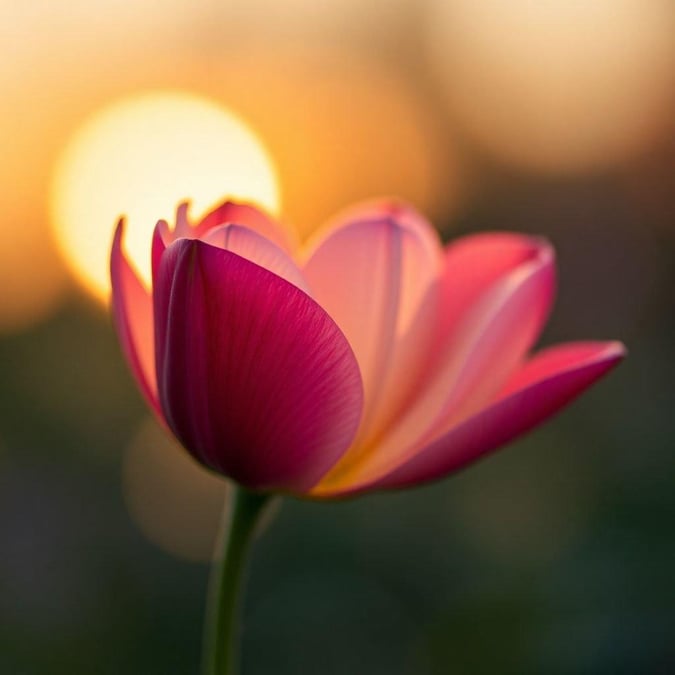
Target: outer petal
[(254, 377), (133, 314), (551, 380)]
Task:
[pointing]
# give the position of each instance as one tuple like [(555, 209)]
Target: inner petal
[(378, 281), (257, 249)]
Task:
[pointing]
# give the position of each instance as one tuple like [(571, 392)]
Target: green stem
[(221, 636)]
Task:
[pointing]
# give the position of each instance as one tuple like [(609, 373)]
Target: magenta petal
[(133, 314), (254, 377), (546, 384), (161, 238)]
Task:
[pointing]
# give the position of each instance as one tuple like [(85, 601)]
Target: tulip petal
[(252, 246), (183, 227), (161, 238), (249, 216), (371, 277), (133, 315), (255, 378), (550, 381), (481, 353), (387, 208), (377, 279), (474, 263), (490, 341)]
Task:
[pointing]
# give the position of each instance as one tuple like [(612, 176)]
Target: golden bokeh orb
[(139, 157), (175, 502), (557, 86)]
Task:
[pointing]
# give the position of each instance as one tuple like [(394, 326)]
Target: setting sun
[(139, 157)]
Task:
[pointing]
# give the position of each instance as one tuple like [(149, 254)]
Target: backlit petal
[(249, 216), (254, 247), (388, 208), (372, 277)]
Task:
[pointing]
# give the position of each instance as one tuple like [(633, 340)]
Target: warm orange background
[(550, 117)]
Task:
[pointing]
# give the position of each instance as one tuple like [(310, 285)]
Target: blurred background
[(554, 117)]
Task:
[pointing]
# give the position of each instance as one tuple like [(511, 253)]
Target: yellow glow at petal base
[(140, 156)]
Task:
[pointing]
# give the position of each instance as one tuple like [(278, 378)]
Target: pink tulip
[(372, 358)]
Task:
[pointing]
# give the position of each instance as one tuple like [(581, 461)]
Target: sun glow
[(139, 157)]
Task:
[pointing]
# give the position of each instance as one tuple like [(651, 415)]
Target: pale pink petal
[(482, 352), (255, 378), (133, 314), (388, 208), (249, 216), (551, 380), (422, 255), (377, 279), (355, 276), (254, 247), (371, 277)]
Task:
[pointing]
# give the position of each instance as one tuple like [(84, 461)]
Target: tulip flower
[(371, 358)]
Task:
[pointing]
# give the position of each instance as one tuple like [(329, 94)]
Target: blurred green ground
[(555, 556)]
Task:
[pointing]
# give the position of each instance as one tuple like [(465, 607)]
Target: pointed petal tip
[(612, 352), (117, 248), (597, 351), (162, 228), (617, 349), (182, 224), (119, 231), (544, 249), (557, 376)]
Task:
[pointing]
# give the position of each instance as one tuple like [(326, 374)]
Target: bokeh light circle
[(556, 86), (174, 501), (139, 157)]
